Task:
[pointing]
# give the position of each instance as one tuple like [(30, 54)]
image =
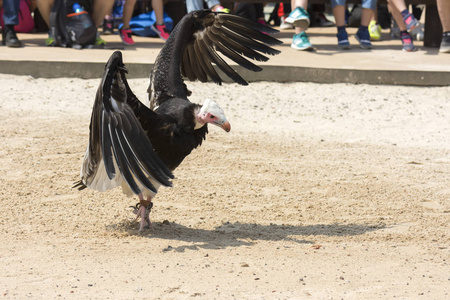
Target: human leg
[(193, 5), (444, 15), (362, 35), (125, 31), (11, 10), (407, 17), (374, 27), (339, 17), (159, 27), (100, 9), (407, 43), (45, 7), (299, 17)]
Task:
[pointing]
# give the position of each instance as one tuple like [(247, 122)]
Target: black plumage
[(137, 147)]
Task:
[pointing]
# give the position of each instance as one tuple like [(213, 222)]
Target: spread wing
[(119, 150), (203, 40)]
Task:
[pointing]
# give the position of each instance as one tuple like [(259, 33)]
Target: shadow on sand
[(241, 234)]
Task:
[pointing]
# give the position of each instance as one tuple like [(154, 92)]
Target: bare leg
[(366, 16), (399, 4), (45, 7), (397, 17), (100, 10), (444, 13), (128, 12), (158, 7), (339, 15), (299, 3)]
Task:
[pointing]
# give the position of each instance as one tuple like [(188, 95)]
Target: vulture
[(137, 147)]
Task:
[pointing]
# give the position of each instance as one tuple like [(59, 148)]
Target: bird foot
[(143, 212)]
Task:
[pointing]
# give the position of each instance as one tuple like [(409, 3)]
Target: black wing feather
[(194, 60), (231, 54), (117, 136), (106, 149), (185, 54), (215, 58)]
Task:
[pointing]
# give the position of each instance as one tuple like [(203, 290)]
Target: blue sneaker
[(301, 42), (299, 17), (343, 43), (363, 37)]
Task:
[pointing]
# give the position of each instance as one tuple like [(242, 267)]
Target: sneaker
[(9, 37), (284, 24), (99, 41), (374, 31), (407, 42), (445, 43), (299, 17), (161, 31), (50, 41), (410, 22), (301, 42), (363, 37), (108, 27), (343, 43), (417, 33), (322, 21), (125, 35), (395, 30)]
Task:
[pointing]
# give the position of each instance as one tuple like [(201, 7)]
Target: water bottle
[(77, 8)]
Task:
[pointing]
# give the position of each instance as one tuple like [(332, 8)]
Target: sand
[(320, 191)]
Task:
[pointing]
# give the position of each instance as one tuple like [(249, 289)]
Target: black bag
[(72, 29)]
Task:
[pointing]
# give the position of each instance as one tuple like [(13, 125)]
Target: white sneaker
[(284, 25)]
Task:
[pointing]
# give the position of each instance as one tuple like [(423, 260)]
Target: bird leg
[(142, 210)]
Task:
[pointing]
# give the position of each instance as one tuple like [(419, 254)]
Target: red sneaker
[(125, 35), (161, 31)]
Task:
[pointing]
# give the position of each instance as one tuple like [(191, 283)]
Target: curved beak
[(224, 125)]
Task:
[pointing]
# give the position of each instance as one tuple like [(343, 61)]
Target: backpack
[(142, 24), (26, 22), (71, 28)]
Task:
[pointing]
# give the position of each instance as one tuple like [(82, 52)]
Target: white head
[(212, 113)]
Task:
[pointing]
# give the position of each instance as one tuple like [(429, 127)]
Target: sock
[(405, 36), (446, 34), (340, 28), (363, 28), (404, 13)]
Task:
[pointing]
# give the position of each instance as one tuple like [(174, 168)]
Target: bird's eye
[(213, 116)]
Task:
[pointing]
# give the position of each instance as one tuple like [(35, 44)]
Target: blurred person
[(407, 41), (116, 12), (362, 35), (213, 5), (444, 15), (99, 10), (159, 27), (11, 10), (407, 18), (374, 27), (299, 18)]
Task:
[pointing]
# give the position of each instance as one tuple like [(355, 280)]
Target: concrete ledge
[(52, 69), (386, 63)]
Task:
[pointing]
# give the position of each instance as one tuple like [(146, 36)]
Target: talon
[(135, 208), (142, 210)]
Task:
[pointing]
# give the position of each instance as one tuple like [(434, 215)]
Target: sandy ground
[(318, 192)]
